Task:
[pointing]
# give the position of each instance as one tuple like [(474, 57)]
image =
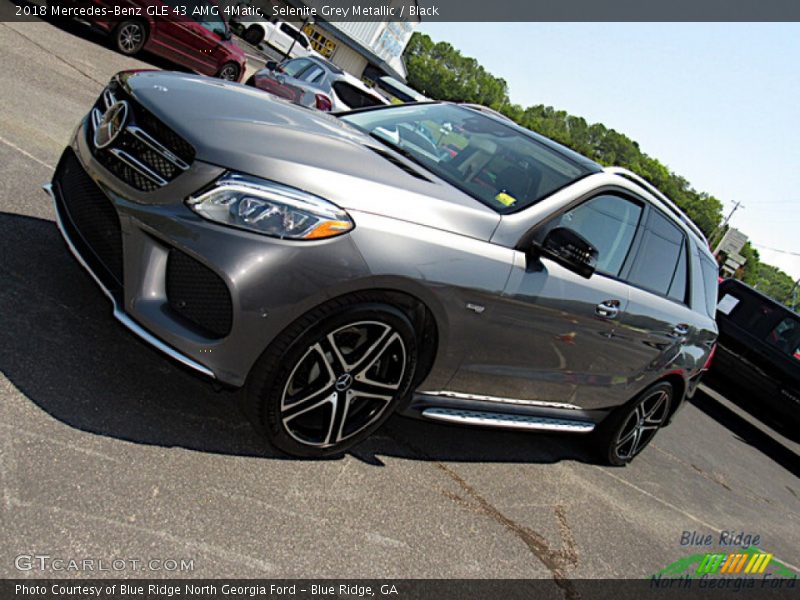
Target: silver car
[(337, 270)]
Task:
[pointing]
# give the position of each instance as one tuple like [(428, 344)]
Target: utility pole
[(727, 219)]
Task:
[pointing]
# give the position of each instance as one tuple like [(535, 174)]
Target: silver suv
[(338, 269)]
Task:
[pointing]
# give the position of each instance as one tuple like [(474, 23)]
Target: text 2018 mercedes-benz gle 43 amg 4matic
[(432, 259)]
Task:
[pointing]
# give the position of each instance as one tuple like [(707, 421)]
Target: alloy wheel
[(130, 37), (641, 425), (343, 383), (229, 73)]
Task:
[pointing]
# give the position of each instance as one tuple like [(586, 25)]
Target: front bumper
[(269, 282)]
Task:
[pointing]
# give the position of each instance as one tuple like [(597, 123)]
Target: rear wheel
[(130, 37), (229, 72), (623, 435), (254, 35), (333, 377)]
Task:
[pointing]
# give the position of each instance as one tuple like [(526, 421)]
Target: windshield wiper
[(401, 151)]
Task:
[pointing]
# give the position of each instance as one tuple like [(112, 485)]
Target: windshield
[(495, 163)]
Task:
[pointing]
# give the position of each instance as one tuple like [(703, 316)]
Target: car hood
[(246, 130)]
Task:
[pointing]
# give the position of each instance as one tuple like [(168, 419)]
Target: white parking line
[(25, 153), (676, 508)]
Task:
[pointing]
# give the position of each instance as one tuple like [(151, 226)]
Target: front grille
[(146, 154), (91, 214), (198, 294)]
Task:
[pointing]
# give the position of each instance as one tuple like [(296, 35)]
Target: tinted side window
[(609, 224), (677, 289), (786, 336), (352, 96), (294, 34), (710, 278), (657, 260)]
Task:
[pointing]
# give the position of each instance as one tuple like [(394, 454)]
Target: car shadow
[(746, 431), (64, 351)]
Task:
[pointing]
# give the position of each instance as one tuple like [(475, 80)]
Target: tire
[(332, 377), (251, 81), (254, 35), (229, 71), (130, 37), (627, 431)]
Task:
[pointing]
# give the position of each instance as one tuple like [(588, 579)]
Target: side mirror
[(570, 250), (272, 65)]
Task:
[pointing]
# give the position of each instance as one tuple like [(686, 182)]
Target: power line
[(775, 249)]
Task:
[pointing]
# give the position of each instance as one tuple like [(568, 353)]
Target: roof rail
[(631, 176)]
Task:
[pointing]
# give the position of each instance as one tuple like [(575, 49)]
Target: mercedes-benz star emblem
[(344, 382), (111, 124)]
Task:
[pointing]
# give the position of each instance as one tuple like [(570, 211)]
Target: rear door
[(661, 330)]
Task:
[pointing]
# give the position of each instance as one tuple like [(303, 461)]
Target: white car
[(283, 37)]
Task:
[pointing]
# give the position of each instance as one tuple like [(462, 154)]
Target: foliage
[(441, 72)]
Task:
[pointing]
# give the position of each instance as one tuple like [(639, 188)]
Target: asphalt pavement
[(109, 450)]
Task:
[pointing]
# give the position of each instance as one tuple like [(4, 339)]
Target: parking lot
[(108, 450)]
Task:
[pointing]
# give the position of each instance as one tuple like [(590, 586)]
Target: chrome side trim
[(118, 313), (506, 421), (157, 146), (142, 168), (514, 401)]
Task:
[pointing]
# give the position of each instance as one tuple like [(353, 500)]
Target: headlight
[(270, 208)]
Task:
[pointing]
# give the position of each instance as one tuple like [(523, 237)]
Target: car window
[(294, 34), (214, 23), (710, 283), (608, 223), (658, 258), (786, 337), (313, 74), (293, 68), (677, 290), (354, 97)]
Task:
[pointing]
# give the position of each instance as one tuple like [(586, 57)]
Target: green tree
[(440, 71)]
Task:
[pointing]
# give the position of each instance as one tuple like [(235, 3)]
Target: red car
[(201, 43)]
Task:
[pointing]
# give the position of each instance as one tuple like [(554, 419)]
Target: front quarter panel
[(452, 274)]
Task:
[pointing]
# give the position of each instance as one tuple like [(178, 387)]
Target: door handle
[(608, 309), (680, 330)]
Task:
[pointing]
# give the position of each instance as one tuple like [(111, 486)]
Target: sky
[(718, 103)]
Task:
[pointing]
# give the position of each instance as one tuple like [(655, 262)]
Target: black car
[(758, 355)]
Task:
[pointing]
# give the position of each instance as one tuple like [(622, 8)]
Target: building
[(364, 48)]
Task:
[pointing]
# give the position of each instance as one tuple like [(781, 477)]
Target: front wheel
[(229, 72), (627, 431), (130, 37), (254, 35), (332, 379)]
